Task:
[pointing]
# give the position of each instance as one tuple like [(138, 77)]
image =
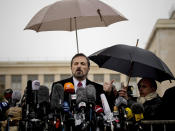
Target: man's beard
[(79, 74)]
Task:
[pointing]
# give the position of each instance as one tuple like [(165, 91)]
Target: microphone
[(91, 94), (137, 110), (69, 87), (108, 115), (81, 95), (129, 113), (70, 95), (35, 88), (99, 118), (105, 105), (120, 101), (43, 98), (43, 94), (98, 109), (35, 85), (91, 97), (67, 114), (120, 104), (81, 104), (57, 96), (16, 97)]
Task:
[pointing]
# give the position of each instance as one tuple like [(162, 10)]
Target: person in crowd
[(167, 104), (148, 97), (80, 66), (167, 107)]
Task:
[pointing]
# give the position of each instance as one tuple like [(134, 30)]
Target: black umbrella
[(132, 61)]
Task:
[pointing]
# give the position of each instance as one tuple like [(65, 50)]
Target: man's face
[(80, 67), (145, 88)]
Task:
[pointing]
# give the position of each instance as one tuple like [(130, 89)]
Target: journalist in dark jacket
[(149, 98)]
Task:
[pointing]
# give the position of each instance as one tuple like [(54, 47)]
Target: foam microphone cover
[(43, 94), (16, 96), (91, 93), (35, 85), (29, 91), (57, 96), (98, 109), (69, 87), (137, 108), (120, 101), (81, 95)]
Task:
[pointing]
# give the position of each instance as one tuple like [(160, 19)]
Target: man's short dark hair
[(152, 81), (80, 54)]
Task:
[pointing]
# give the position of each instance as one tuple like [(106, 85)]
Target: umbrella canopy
[(132, 61), (69, 15)]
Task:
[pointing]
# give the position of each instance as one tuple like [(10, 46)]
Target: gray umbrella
[(132, 61), (70, 15)]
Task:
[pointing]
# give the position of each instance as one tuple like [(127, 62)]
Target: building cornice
[(160, 24), (38, 64)]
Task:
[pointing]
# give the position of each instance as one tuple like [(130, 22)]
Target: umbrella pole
[(76, 34), (130, 70)]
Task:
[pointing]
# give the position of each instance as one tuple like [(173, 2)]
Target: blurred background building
[(16, 74), (162, 43)]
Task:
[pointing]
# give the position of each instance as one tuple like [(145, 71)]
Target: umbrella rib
[(101, 17)]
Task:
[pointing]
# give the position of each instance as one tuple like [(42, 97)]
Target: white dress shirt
[(76, 83)]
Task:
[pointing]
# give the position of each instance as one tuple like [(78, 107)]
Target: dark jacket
[(152, 109), (168, 108)]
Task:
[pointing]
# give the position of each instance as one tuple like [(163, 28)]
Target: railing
[(152, 123)]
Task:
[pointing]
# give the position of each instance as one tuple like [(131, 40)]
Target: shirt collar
[(76, 83)]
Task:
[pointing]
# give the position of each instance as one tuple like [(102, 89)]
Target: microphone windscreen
[(69, 87), (81, 95), (57, 96), (120, 101), (16, 96), (98, 109), (29, 91), (137, 108), (91, 93), (43, 94), (35, 85)]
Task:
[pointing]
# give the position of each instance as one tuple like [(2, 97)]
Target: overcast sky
[(18, 44)]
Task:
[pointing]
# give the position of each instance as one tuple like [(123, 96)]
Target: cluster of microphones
[(65, 110)]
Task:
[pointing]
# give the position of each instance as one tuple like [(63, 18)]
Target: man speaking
[(80, 66)]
